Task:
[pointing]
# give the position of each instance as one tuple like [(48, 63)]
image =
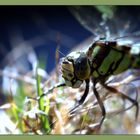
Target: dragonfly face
[(75, 69)]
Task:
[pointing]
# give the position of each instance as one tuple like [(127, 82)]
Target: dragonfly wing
[(108, 21)]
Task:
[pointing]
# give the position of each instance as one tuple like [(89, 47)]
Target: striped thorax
[(103, 59)]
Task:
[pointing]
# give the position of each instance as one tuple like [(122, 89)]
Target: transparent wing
[(117, 23), (108, 21)]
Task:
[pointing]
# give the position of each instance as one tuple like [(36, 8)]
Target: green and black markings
[(107, 59), (102, 60)]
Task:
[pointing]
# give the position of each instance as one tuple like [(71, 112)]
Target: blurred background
[(42, 28), (32, 36)]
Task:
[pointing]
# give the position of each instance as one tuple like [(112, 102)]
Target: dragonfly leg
[(126, 80), (81, 101), (100, 104), (115, 91), (48, 91)]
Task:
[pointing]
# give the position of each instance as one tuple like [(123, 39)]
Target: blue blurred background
[(44, 28)]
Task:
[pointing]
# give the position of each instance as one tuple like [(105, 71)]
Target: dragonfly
[(104, 58)]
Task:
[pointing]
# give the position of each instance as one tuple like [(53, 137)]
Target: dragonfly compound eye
[(82, 67)]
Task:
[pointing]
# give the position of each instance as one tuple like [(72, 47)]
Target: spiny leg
[(126, 81), (48, 91), (44, 94), (115, 91), (130, 78), (81, 101), (100, 103)]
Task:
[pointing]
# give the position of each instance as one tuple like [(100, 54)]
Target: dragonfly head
[(75, 69)]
